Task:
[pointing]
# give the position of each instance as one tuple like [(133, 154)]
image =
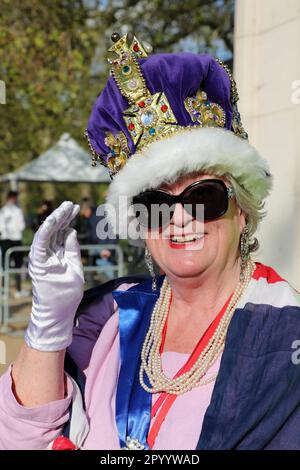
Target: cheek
[(232, 235), (155, 245), (224, 233)]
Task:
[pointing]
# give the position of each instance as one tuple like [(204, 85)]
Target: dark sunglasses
[(212, 193)]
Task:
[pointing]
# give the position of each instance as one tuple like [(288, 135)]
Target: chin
[(186, 268)]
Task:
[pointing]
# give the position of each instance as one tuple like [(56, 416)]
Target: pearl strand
[(150, 354)]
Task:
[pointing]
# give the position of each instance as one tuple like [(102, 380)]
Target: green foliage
[(46, 52), (52, 59), (203, 25)]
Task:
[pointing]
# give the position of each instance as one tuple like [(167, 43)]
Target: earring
[(244, 250), (149, 264)]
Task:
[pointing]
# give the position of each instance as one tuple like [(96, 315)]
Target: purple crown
[(150, 98)]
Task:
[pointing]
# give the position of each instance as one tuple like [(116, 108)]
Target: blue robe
[(256, 398)]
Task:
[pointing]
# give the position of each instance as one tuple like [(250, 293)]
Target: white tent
[(65, 162)]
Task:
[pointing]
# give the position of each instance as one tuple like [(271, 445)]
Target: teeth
[(188, 238)]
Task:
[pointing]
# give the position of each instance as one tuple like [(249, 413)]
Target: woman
[(198, 357)]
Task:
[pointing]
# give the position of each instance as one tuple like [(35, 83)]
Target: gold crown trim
[(205, 112), (237, 124), (126, 70), (149, 117)]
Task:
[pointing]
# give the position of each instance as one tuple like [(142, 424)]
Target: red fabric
[(63, 443), (266, 272)]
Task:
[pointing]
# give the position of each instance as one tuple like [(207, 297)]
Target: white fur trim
[(190, 150)]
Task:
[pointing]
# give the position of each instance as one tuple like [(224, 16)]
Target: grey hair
[(252, 209)]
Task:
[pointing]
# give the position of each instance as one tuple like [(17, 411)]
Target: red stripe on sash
[(268, 273), (166, 400)]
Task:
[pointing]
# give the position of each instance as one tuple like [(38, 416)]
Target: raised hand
[(56, 271)]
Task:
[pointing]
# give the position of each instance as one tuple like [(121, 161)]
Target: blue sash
[(133, 403), (256, 398)]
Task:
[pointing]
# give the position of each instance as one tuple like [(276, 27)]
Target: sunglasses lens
[(212, 194), (153, 209)]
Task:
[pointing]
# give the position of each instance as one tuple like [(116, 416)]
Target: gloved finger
[(62, 214), (53, 222), (57, 244), (41, 242), (71, 242), (72, 215), (72, 251), (60, 236)]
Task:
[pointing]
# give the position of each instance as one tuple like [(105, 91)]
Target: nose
[(181, 217)]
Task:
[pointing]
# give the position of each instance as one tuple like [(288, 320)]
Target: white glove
[(56, 271)]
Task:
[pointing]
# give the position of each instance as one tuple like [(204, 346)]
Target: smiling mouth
[(187, 238)]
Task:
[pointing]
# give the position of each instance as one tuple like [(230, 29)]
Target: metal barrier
[(8, 271)]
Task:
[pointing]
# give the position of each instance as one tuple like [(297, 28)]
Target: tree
[(203, 25), (52, 59), (46, 52)]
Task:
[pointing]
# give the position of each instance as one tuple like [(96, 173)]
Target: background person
[(12, 225), (43, 211)]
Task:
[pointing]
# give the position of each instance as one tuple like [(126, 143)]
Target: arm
[(38, 376), (57, 282), (20, 220), (24, 428), (34, 393)]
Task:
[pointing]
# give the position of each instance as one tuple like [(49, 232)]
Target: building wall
[(266, 67)]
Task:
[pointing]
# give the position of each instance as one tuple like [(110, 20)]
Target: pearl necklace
[(150, 354)]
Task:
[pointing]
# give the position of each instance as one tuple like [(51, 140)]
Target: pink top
[(35, 428)]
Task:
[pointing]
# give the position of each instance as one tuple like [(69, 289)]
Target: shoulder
[(97, 307), (104, 291), (267, 318), (96, 312), (268, 273), (271, 277), (269, 288), (14, 208)]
